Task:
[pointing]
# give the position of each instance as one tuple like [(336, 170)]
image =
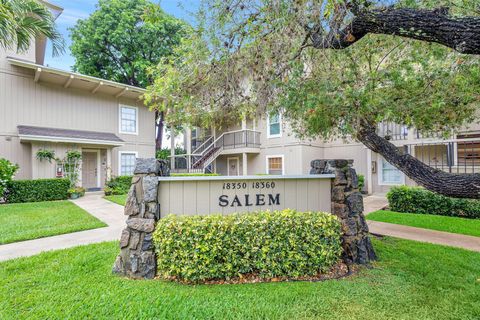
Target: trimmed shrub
[(265, 244), (118, 185), (419, 200), (37, 190), (7, 172)]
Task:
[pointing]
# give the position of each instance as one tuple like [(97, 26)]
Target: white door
[(232, 164)]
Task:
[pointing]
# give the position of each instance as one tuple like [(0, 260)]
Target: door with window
[(89, 170), (233, 164)]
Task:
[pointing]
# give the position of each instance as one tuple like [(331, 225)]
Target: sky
[(81, 9)]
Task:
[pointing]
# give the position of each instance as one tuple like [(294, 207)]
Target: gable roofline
[(66, 78)]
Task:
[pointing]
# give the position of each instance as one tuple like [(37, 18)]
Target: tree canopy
[(248, 57), (116, 43), (21, 21)]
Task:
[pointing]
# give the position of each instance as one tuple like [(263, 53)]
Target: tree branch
[(460, 34), (448, 184)]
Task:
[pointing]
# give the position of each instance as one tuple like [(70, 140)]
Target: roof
[(69, 79), (31, 133)]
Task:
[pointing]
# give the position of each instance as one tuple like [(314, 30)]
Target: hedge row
[(37, 190), (266, 244), (118, 185), (419, 200)]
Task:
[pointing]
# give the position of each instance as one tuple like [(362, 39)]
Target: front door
[(232, 164), (89, 170)]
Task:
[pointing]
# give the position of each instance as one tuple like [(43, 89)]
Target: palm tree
[(21, 21)]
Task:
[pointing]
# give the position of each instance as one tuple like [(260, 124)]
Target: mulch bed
[(338, 271)]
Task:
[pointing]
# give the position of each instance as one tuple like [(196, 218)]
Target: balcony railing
[(238, 139)]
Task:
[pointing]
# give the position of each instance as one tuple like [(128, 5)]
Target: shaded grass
[(411, 280), (25, 221), (119, 199), (427, 221)]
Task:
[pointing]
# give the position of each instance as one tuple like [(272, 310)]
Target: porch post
[(245, 163), (188, 148), (172, 148)]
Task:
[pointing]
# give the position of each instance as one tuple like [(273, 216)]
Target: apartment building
[(43, 108)]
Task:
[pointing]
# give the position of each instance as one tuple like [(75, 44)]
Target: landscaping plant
[(7, 172), (37, 190), (264, 244), (419, 200)]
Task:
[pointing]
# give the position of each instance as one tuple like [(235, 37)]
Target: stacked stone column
[(137, 253), (347, 205)]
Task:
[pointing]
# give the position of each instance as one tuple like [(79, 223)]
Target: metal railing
[(454, 156), (392, 131), (238, 139)]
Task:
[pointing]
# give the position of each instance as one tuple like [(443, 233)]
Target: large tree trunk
[(448, 184), (159, 117), (461, 34)]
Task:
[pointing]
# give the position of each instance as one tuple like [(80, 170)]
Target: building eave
[(96, 83), (29, 138)]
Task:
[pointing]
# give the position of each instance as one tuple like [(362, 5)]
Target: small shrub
[(7, 172), (76, 192), (37, 190), (361, 182), (266, 244), (118, 185), (419, 200)]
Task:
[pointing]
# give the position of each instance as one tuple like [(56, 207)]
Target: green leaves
[(115, 42), (419, 200), (268, 244), (21, 21)]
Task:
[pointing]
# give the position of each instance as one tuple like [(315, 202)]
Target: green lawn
[(25, 221), (412, 280), (427, 221), (120, 199)]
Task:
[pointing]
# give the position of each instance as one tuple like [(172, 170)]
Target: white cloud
[(70, 16)]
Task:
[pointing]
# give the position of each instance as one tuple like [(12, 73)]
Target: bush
[(37, 190), (7, 172), (118, 185), (419, 200), (361, 182), (266, 244)]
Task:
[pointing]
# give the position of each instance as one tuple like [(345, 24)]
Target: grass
[(119, 199), (465, 226), (412, 280), (25, 221)]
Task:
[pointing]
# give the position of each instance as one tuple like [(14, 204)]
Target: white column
[(108, 174), (172, 148), (244, 123), (188, 147), (369, 172), (245, 164)]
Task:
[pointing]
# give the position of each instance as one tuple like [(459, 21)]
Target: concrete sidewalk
[(93, 203), (378, 202)]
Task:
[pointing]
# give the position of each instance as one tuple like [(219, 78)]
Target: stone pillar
[(347, 205), (137, 255)]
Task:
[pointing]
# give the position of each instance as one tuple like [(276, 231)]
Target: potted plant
[(44, 154), (75, 193)]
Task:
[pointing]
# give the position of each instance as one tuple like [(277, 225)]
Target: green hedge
[(419, 200), (267, 244), (118, 185), (37, 190)]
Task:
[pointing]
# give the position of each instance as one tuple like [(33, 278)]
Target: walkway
[(106, 211), (376, 202)]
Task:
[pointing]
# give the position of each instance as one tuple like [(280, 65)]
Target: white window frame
[(120, 106), (380, 175), (275, 156), (120, 159), (268, 126)]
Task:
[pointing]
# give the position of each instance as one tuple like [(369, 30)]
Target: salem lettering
[(247, 200)]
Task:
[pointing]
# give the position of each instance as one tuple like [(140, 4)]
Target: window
[(127, 163), (128, 120), (389, 175), (274, 125), (275, 165)]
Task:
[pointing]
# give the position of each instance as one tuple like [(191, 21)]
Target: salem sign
[(209, 195)]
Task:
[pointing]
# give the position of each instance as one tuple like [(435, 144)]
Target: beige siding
[(24, 102), (203, 196)]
